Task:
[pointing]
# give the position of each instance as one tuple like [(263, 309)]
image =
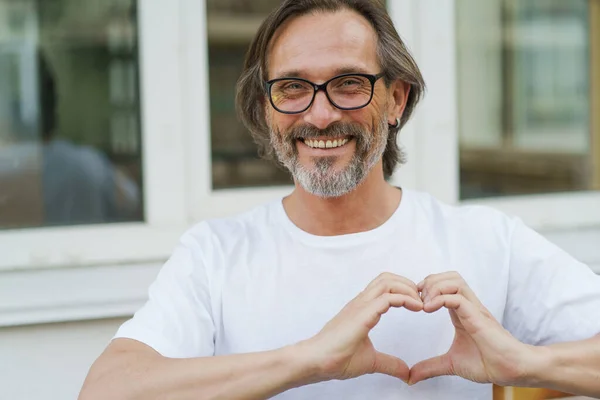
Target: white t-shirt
[(257, 282)]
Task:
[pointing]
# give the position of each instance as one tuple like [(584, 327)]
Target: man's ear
[(398, 92)]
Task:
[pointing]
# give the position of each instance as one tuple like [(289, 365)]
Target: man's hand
[(482, 351), (343, 347)]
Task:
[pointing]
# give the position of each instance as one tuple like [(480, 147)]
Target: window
[(89, 269), (121, 113), (70, 143), (525, 97)]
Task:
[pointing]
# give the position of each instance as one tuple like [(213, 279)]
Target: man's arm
[(341, 350), (570, 367), (131, 370)]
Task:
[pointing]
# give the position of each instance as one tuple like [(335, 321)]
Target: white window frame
[(431, 138), (73, 273)]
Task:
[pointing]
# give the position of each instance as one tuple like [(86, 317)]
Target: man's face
[(317, 48)]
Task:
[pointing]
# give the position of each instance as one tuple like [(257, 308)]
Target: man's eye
[(351, 82), (293, 86)]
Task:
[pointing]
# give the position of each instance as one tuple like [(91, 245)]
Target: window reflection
[(524, 96), (69, 131)]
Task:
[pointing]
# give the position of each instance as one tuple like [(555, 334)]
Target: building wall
[(50, 361)]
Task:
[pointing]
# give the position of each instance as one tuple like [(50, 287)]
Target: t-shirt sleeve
[(176, 321), (551, 296)]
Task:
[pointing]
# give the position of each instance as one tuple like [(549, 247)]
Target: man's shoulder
[(465, 218), (254, 222)]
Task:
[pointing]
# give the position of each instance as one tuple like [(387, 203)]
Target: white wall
[(51, 361)]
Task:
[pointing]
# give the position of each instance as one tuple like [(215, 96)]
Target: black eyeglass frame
[(372, 78)]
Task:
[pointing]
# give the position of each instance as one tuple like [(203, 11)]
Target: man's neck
[(367, 207)]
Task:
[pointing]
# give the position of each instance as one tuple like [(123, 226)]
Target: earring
[(397, 124)]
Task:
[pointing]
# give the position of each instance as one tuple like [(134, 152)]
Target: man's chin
[(330, 177), (328, 185), (330, 166), (326, 191)]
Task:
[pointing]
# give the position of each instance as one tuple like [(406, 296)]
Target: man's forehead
[(323, 42)]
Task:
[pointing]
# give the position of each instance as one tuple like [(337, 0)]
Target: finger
[(447, 283), (470, 295), (470, 315), (390, 365), (379, 306), (433, 278), (436, 366), (457, 281), (390, 286), (449, 301), (449, 288), (443, 287), (387, 300), (388, 276)]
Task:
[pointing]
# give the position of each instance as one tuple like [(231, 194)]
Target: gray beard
[(321, 179)]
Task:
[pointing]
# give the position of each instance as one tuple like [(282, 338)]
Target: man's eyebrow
[(353, 70), (294, 73)]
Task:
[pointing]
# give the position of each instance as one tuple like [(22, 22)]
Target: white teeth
[(322, 144)]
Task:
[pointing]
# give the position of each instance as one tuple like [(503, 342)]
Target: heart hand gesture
[(482, 350)]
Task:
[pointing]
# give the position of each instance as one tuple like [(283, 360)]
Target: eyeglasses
[(346, 92)]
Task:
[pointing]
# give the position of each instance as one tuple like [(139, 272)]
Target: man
[(288, 300)]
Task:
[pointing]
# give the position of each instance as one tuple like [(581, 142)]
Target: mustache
[(335, 130)]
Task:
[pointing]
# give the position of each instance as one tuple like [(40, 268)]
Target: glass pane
[(524, 96), (235, 162), (70, 149)]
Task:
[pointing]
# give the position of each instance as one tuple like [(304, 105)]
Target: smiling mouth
[(325, 144)]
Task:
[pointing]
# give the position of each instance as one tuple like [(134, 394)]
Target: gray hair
[(394, 58)]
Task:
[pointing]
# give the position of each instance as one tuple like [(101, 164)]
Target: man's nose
[(322, 113)]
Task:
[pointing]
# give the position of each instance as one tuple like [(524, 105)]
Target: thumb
[(390, 365), (436, 366)]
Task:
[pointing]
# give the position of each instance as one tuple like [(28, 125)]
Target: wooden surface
[(509, 393)]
